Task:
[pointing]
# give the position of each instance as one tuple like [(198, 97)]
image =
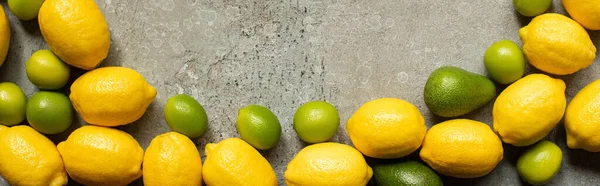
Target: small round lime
[(12, 104), (532, 8), (316, 121), (49, 112), (258, 126), (46, 71), (25, 9), (409, 173), (504, 61), (186, 116), (539, 164)]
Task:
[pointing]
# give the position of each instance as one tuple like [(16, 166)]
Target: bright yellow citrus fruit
[(462, 148), (29, 158), (172, 159), (328, 164), (4, 35), (234, 162), (556, 44), (76, 31), (102, 156), (387, 128), (586, 12), (582, 119), (111, 96), (528, 109)]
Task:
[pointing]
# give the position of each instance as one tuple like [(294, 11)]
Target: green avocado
[(409, 173), (452, 91)]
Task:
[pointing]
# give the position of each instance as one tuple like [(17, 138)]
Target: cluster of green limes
[(314, 122), (46, 111)]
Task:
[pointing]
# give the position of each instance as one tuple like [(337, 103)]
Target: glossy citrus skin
[(111, 96), (539, 164), (186, 116), (316, 121), (452, 91), (387, 128), (49, 112), (4, 35), (46, 71), (582, 119), (13, 103), (462, 148), (172, 159), (29, 158), (76, 31), (586, 12), (527, 110), (102, 156), (328, 164), (258, 126), (234, 162), (25, 9), (504, 61), (532, 8), (556, 44)]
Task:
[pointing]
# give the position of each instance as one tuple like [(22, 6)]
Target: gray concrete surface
[(232, 53)]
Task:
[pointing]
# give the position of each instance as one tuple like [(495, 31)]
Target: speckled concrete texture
[(280, 54)]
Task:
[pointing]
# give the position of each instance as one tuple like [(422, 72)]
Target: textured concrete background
[(232, 53)]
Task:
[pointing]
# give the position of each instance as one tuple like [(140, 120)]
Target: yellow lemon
[(328, 164), (111, 96), (387, 128), (234, 162), (556, 44), (29, 158), (102, 156), (582, 119), (76, 31), (528, 109), (462, 148), (172, 159), (586, 12), (4, 35)]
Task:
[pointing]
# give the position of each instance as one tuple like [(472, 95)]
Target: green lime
[(25, 9), (186, 116), (531, 8), (46, 71), (12, 104), (409, 173), (504, 61), (316, 121), (49, 112), (539, 164), (258, 126)]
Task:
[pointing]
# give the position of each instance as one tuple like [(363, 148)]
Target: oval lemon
[(102, 156), (387, 128), (4, 35), (111, 96), (528, 109), (582, 119), (556, 44), (76, 31), (234, 162), (462, 148), (172, 159), (29, 158), (328, 164)]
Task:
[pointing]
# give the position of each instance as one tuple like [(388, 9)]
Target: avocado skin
[(452, 92)]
